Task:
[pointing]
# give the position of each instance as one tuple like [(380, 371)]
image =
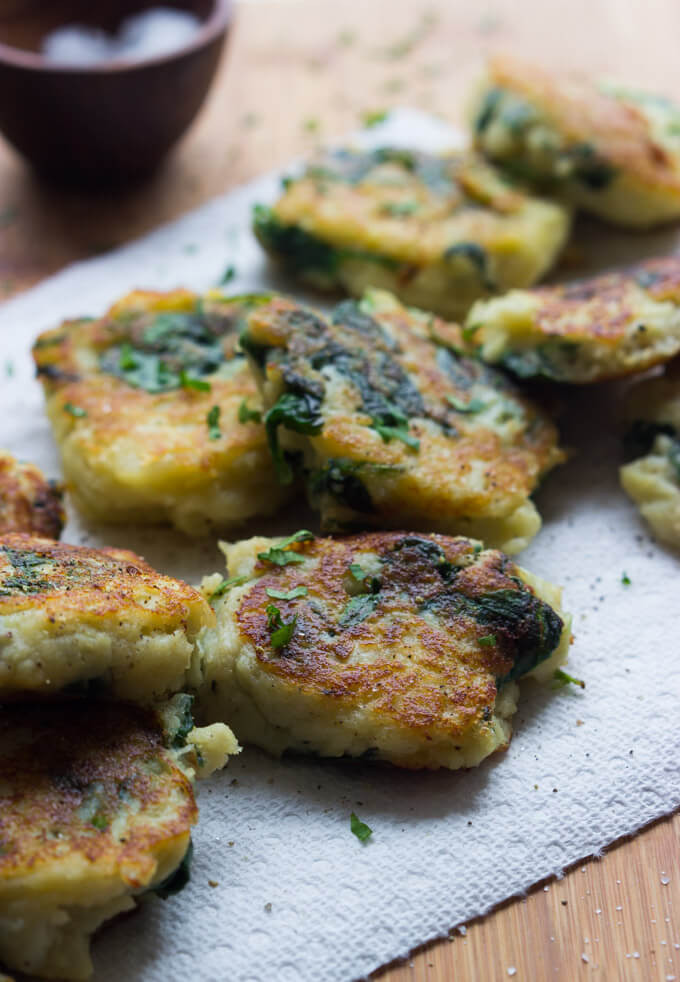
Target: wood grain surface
[(300, 72)]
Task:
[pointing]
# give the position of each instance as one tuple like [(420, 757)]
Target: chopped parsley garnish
[(357, 572), (469, 331), (487, 640), (374, 117), (297, 591), (280, 555), (227, 585), (190, 382), (562, 678), (625, 579), (227, 276), (473, 406), (359, 828), (280, 633), (127, 360), (393, 424), (397, 433), (246, 415), (76, 411), (99, 822), (213, 420), (311, 125), (9, 368)]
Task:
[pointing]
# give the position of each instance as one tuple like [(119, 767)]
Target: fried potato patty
[(438, 231), (72, 616), (28, 501), (585, 331), (390, 428), (96, 807), (154, 411), (398, 646), (610, 150), (652, 477)]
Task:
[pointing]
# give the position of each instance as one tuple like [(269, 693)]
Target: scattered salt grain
[(584, 957), (512, 970), (665, 880), (145, 35)]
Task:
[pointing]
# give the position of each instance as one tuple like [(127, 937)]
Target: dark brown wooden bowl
[(107, 123)]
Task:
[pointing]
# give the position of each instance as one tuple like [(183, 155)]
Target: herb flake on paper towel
[(562, 678), (359, 828), (372, 117)]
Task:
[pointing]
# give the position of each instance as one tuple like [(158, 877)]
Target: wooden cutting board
[(301, 71)]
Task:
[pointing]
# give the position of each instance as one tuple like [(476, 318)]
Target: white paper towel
[(281, 890)]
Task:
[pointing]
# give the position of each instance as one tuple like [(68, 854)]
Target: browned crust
[(28, 501), (171, 424), (61, 580), (583, 113), (51, 758), (432, 478), (603, 307), (440, 681)]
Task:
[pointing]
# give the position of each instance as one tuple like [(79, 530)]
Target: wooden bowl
[(106, 123)]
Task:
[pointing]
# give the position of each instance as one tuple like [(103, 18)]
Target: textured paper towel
[(298, 896)]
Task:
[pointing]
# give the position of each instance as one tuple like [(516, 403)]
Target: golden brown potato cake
[(608, 149), (588, 330), (652, 476), (28, 501), (437, 231), (96, 808), (399, 646), (155, 412), (390, 428), (72, 616)]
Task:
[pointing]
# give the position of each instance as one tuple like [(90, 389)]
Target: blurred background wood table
[(302, 71)]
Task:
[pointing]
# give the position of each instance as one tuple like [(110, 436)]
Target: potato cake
[(391, 428), (607, 149), (397, 646), (588, 330), (155, 412), (437, 231), (96, 808), (79, 617)]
